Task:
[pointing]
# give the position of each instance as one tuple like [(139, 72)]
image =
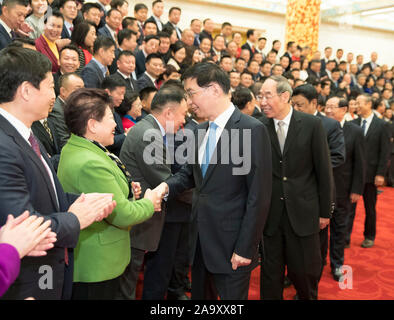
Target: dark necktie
[(13, 35), (364, 126), (47, 129), (131, 83)]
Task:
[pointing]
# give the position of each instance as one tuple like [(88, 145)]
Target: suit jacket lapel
[(222, 146), (292, 132), (11, 131), (273, 135), (372, 127)]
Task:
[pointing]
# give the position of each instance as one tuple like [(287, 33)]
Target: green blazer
[(103, 249)]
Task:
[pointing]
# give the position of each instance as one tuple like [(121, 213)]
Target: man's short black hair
[(241, 96), (152, 56), (144, 93), (307, 91), (167, 94), (128, 21), (206, 73), (19, 42), (249, 33), (89, 5), (150, 37), (12, 3), (103, 42), (140, 6), (125, 53), (125, 34), (111, 83), (69, 47), (226, 24), (18, 65), (174, 8)]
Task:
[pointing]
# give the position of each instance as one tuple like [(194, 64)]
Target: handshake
[(156, 195)]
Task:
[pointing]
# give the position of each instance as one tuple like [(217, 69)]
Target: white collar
[(163, 132), (123, 75), (150, 77), (343, 122), (286, 120), (6, 27), (223, 118), (17, 124), (369, 119)]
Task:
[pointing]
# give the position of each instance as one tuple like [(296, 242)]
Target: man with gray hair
[(302, 187)]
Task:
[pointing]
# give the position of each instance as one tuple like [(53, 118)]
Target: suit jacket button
[(284, 178), (282, 198)]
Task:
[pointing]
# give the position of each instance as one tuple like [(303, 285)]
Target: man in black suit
[(127, 40), (68, 83), (230, 201), (251, 36), (150, 45), (8, 24), (314, 71), (302, 194), (372, 64), (124, 73), (103, 54), (207, 31), (157, 11), (377, 139), (68, 8), (140, 14), (113, 21), (103, 10), (349, 182), (28, 180), (157, 238), (291, 49), (305, 100), (91, 11), (174, 16), (154, 68)]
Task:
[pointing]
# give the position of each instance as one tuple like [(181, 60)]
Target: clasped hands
[(156, 195)]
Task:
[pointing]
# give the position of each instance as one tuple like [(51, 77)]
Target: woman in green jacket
[(85, 166)]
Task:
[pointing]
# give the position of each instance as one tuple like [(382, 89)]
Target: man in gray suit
[(156, 236), (68, 83)]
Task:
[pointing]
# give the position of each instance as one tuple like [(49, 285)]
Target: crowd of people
[(85, 88)]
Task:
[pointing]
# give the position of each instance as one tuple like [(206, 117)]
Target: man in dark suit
[(140, 14), (230, 201), (68, 8), (103, 11), (251, 37), (207, 31), (8, 24), (68, 83), (372, 64), (127, 41), (103, 53), (302, 194), (349, 182), (305, 100), (113, 21), (150, 45), (44, 131), (124, 74), (157, 11), (377, 139), (159, 235), (154, 65), (28, 180), (174, 16), (314, 71)]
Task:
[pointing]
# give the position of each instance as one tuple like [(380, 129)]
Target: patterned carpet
[(372, 269)]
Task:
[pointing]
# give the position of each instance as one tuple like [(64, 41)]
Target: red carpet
[(372, 269)]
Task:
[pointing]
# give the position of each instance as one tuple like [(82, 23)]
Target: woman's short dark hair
[(206, 73), (128, 100), (18, 65), (177, 46), (82, 105), (241, 96), (80, 32)]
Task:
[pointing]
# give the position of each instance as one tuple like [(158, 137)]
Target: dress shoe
[(337, 274), (367, 243), (287, 282)]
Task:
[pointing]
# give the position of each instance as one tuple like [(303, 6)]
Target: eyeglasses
[(190, 93), (267, 97)]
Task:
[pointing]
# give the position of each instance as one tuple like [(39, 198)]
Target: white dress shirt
[(286, 120), (221, 122), (368, 123)]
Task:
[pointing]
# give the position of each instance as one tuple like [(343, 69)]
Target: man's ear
[(314, 103), (216, 89), (24, 90), (285, 96)]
